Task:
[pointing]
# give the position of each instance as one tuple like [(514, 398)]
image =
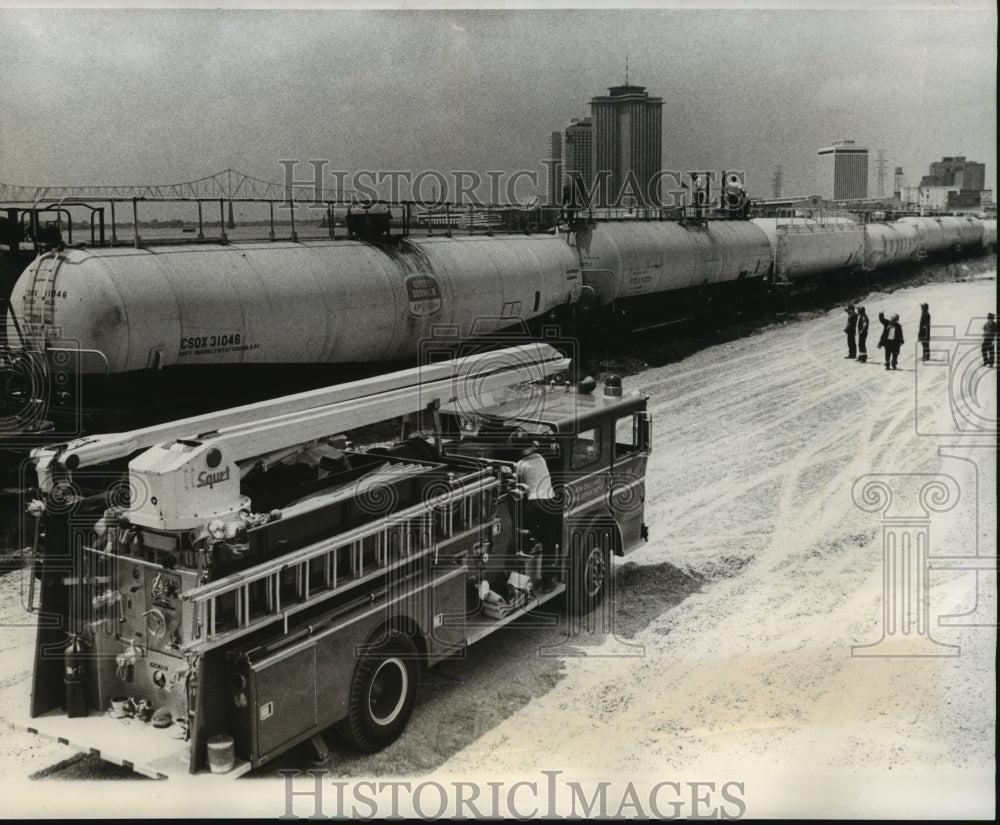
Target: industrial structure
[(954, 183), (843, 171)]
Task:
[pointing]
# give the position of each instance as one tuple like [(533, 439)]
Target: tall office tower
[(843, 171), (554, 168), (628, 141), (578, 164)]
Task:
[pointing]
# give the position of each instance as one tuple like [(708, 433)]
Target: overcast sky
[(97, 96)]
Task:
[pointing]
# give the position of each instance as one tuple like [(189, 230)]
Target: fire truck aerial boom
[(254, 429)]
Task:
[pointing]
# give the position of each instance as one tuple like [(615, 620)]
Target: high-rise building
[(579, 147), (843, 171), (627, 142), (554, 168)]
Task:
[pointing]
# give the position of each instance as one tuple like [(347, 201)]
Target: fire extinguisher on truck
[(73, 678)]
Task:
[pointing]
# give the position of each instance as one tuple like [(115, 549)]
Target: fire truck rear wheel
[(383, 691), (590, 567)]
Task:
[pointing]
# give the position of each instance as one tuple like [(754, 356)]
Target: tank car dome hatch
[(613, 385)]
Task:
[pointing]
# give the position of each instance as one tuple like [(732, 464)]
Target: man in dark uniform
[(924, 331), (891, 340), (862, 335), (850, 329), (989, 337)]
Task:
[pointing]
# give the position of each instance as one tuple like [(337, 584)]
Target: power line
[(880, 172)]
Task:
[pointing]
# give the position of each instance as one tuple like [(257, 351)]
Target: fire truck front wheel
[(590, 566), (383, 690)]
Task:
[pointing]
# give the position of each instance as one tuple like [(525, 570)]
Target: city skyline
[(179, 94)]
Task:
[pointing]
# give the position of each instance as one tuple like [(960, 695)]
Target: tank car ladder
[(920, 253), (39, 301), (268, 594)]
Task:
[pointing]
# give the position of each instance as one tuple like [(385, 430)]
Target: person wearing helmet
[(989, 337), (924, 331), (862, 335), (891, 340)]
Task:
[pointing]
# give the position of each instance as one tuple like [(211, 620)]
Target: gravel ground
[(725, 666)]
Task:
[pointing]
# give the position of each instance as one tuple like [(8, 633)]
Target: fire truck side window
[(625, 436), (586, 449)]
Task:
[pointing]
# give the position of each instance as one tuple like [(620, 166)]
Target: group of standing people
[(892, 336), (891, 340)]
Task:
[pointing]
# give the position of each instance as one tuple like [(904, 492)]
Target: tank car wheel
[(383, 691), (590, 567)]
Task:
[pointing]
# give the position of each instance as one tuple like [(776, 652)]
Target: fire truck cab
[(252, 581)]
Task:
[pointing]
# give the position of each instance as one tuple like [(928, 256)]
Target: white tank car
[(631, 259), (804, 250), (948, 232), (971, 232), (887, 244), (129, 309), (989, 234)]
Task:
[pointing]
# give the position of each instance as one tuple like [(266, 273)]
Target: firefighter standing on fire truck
[(538, 509)]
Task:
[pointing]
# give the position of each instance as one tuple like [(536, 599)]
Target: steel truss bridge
[(229, 184)]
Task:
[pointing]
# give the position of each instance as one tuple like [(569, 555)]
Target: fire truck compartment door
[(284, 699)]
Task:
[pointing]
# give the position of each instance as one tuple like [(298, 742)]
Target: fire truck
[(214, 591)]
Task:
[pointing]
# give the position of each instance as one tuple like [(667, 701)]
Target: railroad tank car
[(624, 260), (134, 309), (989, 235), (946, 233), (888, 244), (771, 227), (971, 231), (805, 250)]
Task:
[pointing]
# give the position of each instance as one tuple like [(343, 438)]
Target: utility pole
[(880, 171), (776, 182)]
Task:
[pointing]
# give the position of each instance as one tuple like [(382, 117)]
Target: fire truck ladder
[(245, 601)]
